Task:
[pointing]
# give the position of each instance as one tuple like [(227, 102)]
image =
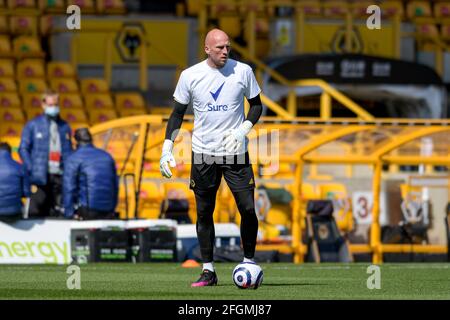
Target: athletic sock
[(208, 266), (248, 260)]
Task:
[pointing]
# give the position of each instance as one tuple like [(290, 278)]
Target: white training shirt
[(217, 97)]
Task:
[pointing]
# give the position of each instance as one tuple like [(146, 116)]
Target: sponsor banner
[(35, 241), (46, 241)]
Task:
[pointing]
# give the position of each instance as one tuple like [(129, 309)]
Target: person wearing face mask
[(44, 147), (90, 182)]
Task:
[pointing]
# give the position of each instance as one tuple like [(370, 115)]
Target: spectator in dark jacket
[(90, 184), (14, 185), (44, 147)]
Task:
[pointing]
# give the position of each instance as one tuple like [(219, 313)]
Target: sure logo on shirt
[(215, 96), (218, 107)]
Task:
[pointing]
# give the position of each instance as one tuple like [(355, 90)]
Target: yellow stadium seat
[(23, 25), (73, 115), (391, 8), (445, 32), (6, 68), (11, 129), (7, 85), (46, 23), (101, 115), (93, 85), (64, 85), (160, 110), (252, 5), (131, 112), (176, 190), (416, 9), (75, 125), (59, 69), (262, 26), (193, 7), (5, 47), (30, 68), (150, 199), (32, 100), (130, 100), (8, 115), (311, 8), (9, 100), (52, 6), (27, 47), (32, 113), (428, 30), (262, 47), (86, 6), (99, 101), (21, 4), (14, 142), (231, 25), (150, 190), (4, 25), (309, 192), (441, 9), (335, 8), (359, 8), (221, 8), (32, 85), (70, 101), (332, 190), (111, 7)]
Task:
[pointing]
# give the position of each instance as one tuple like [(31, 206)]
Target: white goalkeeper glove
[(234, 139), (167, 159)]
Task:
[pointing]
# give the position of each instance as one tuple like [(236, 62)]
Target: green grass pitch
[(284, 281)]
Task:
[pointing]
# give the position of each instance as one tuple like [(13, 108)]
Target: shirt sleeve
[(182, 92), (252, 88)]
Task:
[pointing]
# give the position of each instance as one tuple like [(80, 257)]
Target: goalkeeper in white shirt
[(216, 88)]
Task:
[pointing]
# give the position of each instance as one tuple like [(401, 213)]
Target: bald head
[(217, 47), (215, 35)]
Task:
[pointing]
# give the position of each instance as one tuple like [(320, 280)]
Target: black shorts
[(207, 171)]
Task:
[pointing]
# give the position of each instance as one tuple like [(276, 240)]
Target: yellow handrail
[(337, 95), (275, 107), (325, 104)]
